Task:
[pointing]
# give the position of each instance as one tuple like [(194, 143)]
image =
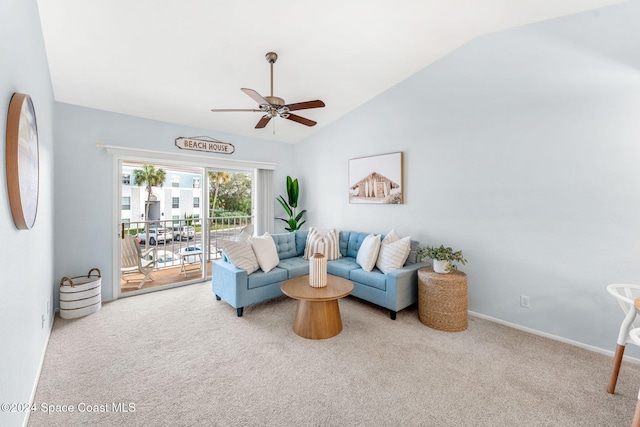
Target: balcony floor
[(164, 277)]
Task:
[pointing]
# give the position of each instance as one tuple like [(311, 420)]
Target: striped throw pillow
[(326, 244), (240, 254), (393, 252)]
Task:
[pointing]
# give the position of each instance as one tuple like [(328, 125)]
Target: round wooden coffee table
[(317, 311)]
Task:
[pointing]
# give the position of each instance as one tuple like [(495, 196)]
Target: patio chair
[(625, 295), (134, 261)]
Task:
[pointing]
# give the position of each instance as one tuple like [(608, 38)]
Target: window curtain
[(264, 210)]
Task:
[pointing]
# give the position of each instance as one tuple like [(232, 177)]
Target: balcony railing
[(185, 235)]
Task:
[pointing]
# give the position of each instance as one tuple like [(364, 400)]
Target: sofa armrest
[(226, 280), (403, 283)]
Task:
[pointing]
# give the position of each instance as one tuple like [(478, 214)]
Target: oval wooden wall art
[(22, 161)]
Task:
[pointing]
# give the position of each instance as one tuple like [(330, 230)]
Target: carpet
[(180, 358)]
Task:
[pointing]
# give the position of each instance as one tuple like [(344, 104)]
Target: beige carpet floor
[(180, 358)]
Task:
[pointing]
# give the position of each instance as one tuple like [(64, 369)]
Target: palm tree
[(217, 178), (150, 177)]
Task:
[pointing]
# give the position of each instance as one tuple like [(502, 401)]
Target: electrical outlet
[(524, 301), (42, 326)]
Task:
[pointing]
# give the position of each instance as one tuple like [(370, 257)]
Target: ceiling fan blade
[(224, 110), (301, 120), (305, 105), (263, 122), (255, 95)]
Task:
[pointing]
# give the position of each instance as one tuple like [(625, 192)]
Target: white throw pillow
[(327, 244), (368, 252), (266, 251), (393, 252), (240, 254)]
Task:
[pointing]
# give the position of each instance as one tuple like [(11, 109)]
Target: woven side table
[(443, 300)]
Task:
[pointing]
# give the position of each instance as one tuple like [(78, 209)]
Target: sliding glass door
[(230, 205), (163, 220), (171, 219)]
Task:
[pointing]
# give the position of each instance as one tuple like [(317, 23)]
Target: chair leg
[(617, 361), (636, 415), (239, 311)]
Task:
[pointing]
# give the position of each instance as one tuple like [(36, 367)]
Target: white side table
[(185, 260)]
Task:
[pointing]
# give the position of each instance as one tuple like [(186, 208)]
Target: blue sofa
[(394, 290)]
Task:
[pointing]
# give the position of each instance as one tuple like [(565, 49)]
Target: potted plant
[(293, 191), (442, 258)]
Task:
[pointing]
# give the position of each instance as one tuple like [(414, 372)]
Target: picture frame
[(22, 161), (377, 179)]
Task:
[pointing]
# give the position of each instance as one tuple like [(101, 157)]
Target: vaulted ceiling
[(175, 61)]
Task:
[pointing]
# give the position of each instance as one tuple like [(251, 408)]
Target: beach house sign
[(205, 144)]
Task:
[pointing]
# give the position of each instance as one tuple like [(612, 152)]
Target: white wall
[(81, 169), (522, 149), (26, 256)]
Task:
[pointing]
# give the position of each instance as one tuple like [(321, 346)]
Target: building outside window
[(181, 196)]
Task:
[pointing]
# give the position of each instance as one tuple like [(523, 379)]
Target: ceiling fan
[(273, 106)]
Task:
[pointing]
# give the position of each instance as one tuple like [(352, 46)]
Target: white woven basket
[(80, 296)]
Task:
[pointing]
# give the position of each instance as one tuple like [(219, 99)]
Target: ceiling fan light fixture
[(274, 100)]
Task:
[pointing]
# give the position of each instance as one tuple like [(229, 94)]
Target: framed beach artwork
[(22, 161), (376, 179)]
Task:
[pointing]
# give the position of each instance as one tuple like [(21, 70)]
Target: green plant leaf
[(293, 191), (285, 206), (299, 216)]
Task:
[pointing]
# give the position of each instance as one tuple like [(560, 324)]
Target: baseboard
[(552, 337), (37, 380)]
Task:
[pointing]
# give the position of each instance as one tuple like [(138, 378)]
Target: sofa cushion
[(266, 252), (325, 243), (295, 266), (301, 241), (393, 252), (373, 278), (350, 242), (413, 254), (260, 278), (341, 267), (285, 245), (368, 252), (240, 254)]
